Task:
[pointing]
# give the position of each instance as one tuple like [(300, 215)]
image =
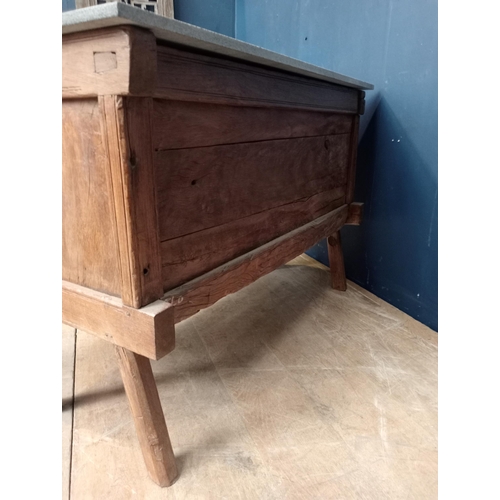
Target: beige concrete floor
[(285, 390)]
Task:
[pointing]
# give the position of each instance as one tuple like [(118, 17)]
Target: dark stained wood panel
[(187, 76), (179, 124), (202, 188), (90, 252), (206, 290), (190, 256)]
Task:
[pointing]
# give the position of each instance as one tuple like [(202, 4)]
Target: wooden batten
[(111, 61), (148, 331), (204, 291), (355, 215)]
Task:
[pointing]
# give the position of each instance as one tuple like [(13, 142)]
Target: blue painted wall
[(68, 5), (214, 15), (392, 44)]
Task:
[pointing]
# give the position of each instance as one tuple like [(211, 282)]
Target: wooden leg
[(149, 420), (336, 258)]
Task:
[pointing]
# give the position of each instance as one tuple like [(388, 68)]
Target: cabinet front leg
[(336, 258), (140, 387)]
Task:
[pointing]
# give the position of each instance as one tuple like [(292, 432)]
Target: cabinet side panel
[(90, 255)]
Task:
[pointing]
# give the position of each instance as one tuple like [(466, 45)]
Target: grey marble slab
[(171, 30)]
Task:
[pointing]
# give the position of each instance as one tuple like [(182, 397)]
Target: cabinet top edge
[(172, 30)]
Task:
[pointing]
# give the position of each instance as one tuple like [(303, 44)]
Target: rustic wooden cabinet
[(193, 164)]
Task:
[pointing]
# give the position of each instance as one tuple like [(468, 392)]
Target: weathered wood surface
[(147, 412), (216, 203), (189, 256), (204, 291), (205, 187), (355, 215), (178, 124), (336, 259), (139, 149), (89, 247), (118, 61), (126, 128), (148, 331), (187, 76)]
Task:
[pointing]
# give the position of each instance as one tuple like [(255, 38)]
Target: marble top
[(171, 30)]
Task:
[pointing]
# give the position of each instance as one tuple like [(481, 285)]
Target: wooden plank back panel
[(201, 188), (189, 76), (178, 124), (206, 290), (90, 251), (189, 256)]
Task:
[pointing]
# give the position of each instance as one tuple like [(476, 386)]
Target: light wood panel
[(126, 127), (90, 251)]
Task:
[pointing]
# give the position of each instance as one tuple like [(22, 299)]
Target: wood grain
[(202, 188), (355, 215), (189, 76), (126, 128), (118, 61), (204, 291), (147, 412), (89, 246), (190, 256), (139, 149), (148, 331), (114, 134), (336, 258), (178, 124)]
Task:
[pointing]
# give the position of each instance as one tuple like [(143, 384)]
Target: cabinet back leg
[(140, 387), (336, 258)]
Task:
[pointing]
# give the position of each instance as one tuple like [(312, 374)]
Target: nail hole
[(145, 271), (193, 182), (306, 38), (327, 144)]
